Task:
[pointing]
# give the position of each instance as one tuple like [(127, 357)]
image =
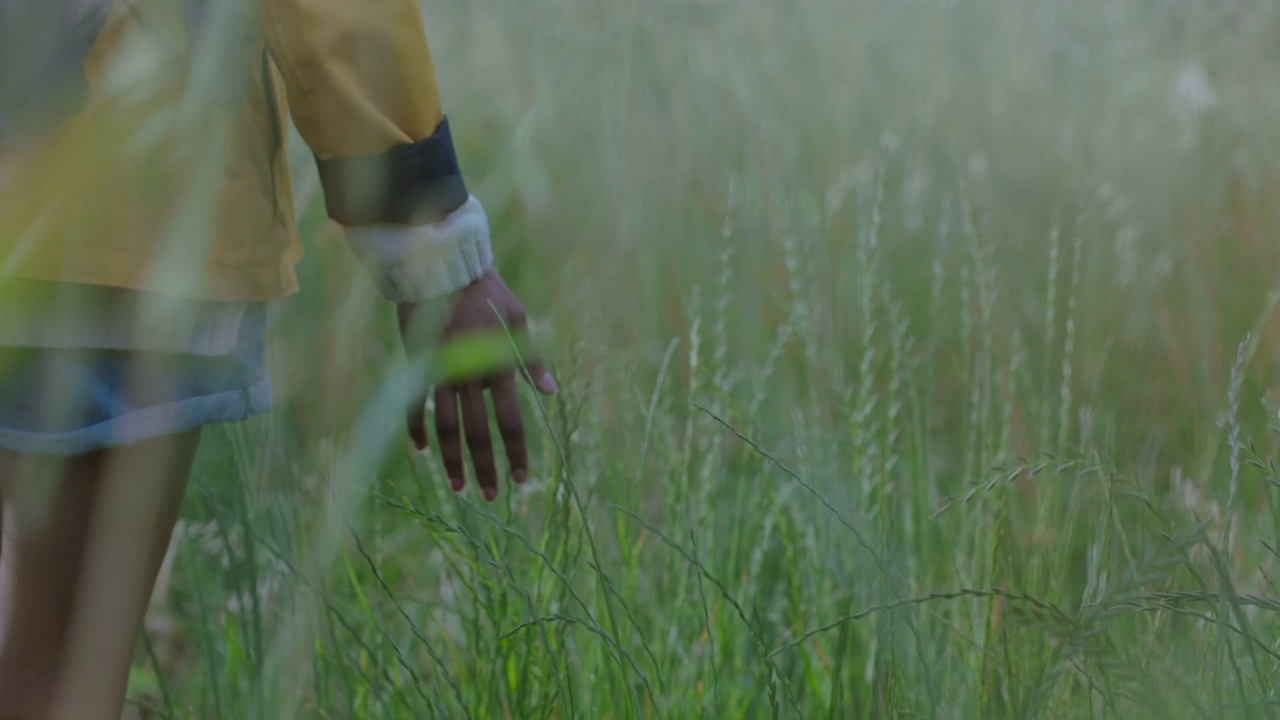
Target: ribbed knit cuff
[(422, 262)]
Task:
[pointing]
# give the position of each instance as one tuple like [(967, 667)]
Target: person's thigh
[(90, 533), (137, 504), (47, 504)]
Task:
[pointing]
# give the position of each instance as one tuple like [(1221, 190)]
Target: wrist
[(412, 263)]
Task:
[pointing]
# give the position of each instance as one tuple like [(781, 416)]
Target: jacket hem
[(128, 270)]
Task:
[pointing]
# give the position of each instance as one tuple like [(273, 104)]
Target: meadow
[(919, 359)]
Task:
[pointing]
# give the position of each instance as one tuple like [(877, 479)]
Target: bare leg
[(84, 539), (48, 511)]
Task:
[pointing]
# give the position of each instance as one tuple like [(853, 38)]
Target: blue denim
[(67, 402)]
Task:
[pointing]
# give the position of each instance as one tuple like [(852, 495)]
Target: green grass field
[(918, 361)]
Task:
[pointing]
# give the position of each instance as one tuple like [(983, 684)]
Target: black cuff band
[(406, 185)]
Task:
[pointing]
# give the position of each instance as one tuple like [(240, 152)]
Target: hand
[(483, 307)]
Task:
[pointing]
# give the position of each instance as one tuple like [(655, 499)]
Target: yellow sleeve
[(362, 90)]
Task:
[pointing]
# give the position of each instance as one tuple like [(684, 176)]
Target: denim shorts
[(70, 401)]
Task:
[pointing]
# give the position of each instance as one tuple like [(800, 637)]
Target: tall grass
[(912, 355)]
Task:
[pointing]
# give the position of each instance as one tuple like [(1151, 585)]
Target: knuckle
[(452, 461), (477, 428), (511, 427), (486, 469), (479, 441)]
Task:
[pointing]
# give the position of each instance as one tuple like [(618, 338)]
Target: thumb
[(540, 378), (416, 419)]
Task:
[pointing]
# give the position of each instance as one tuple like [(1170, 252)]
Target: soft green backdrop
[(915, 353)]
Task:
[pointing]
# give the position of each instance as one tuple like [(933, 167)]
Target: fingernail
[(490, 494), (548, 384), (456, 484), (519, 476)]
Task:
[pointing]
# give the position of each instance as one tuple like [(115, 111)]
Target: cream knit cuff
[(422, 262)]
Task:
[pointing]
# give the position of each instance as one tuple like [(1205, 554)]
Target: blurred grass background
[(918, 361)]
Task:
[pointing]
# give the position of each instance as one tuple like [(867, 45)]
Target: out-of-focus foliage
[(975, 274)]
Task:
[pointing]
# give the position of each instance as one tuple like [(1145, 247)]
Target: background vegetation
[(918, 359)]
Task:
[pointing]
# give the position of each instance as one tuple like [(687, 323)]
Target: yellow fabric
[(157, 187)]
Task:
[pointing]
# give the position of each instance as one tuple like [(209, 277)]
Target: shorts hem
[(145, 423)]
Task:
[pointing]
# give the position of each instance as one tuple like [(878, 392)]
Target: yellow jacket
[(175, 179)]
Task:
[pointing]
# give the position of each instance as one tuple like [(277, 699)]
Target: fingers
[(449, 435), (417, 423), (462, 406), (506, 406), (475, 423)]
